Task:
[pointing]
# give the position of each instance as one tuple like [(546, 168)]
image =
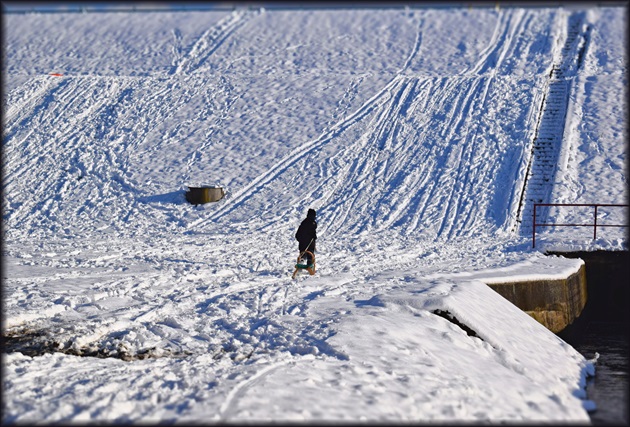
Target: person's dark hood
[(311, 214)]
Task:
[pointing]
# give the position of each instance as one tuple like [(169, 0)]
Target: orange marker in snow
[(56, 74)]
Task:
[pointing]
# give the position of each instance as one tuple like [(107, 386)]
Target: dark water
[(602, 327), (609, 387)]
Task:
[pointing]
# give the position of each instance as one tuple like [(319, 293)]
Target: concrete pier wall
[(555, 303)]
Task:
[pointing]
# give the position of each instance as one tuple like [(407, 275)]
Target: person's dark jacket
[(307, 232)]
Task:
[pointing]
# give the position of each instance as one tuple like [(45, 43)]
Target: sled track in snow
[(391, 136), (293, 157), (85, 114), (362, 168), (368, 154), (72, 126), (211, 40), (241, 387), (385, 158), (331, 131), (503, 36)]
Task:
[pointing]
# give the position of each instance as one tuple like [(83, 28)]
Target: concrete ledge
[(201, 195), (555, 303)]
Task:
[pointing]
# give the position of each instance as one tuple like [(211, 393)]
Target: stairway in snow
[(547, 142)]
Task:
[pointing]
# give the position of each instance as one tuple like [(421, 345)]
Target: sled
[(302, 265)]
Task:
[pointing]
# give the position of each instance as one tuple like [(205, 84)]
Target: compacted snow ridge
[(421, 136)]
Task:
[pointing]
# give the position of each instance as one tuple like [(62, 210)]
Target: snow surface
[(409, 130)]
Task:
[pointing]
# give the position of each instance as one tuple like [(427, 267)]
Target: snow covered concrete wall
[(201, 195), (555, 303)]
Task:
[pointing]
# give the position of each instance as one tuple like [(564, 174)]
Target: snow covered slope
[(410, 131)]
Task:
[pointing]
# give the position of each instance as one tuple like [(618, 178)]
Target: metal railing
[(594, 224)]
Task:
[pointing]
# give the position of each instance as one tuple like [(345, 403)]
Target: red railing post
[(595, 225), (534, 228)]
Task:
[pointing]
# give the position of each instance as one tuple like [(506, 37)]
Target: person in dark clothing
[(306, 235)]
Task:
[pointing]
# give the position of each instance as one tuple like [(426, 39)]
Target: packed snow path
[(409, 131)]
